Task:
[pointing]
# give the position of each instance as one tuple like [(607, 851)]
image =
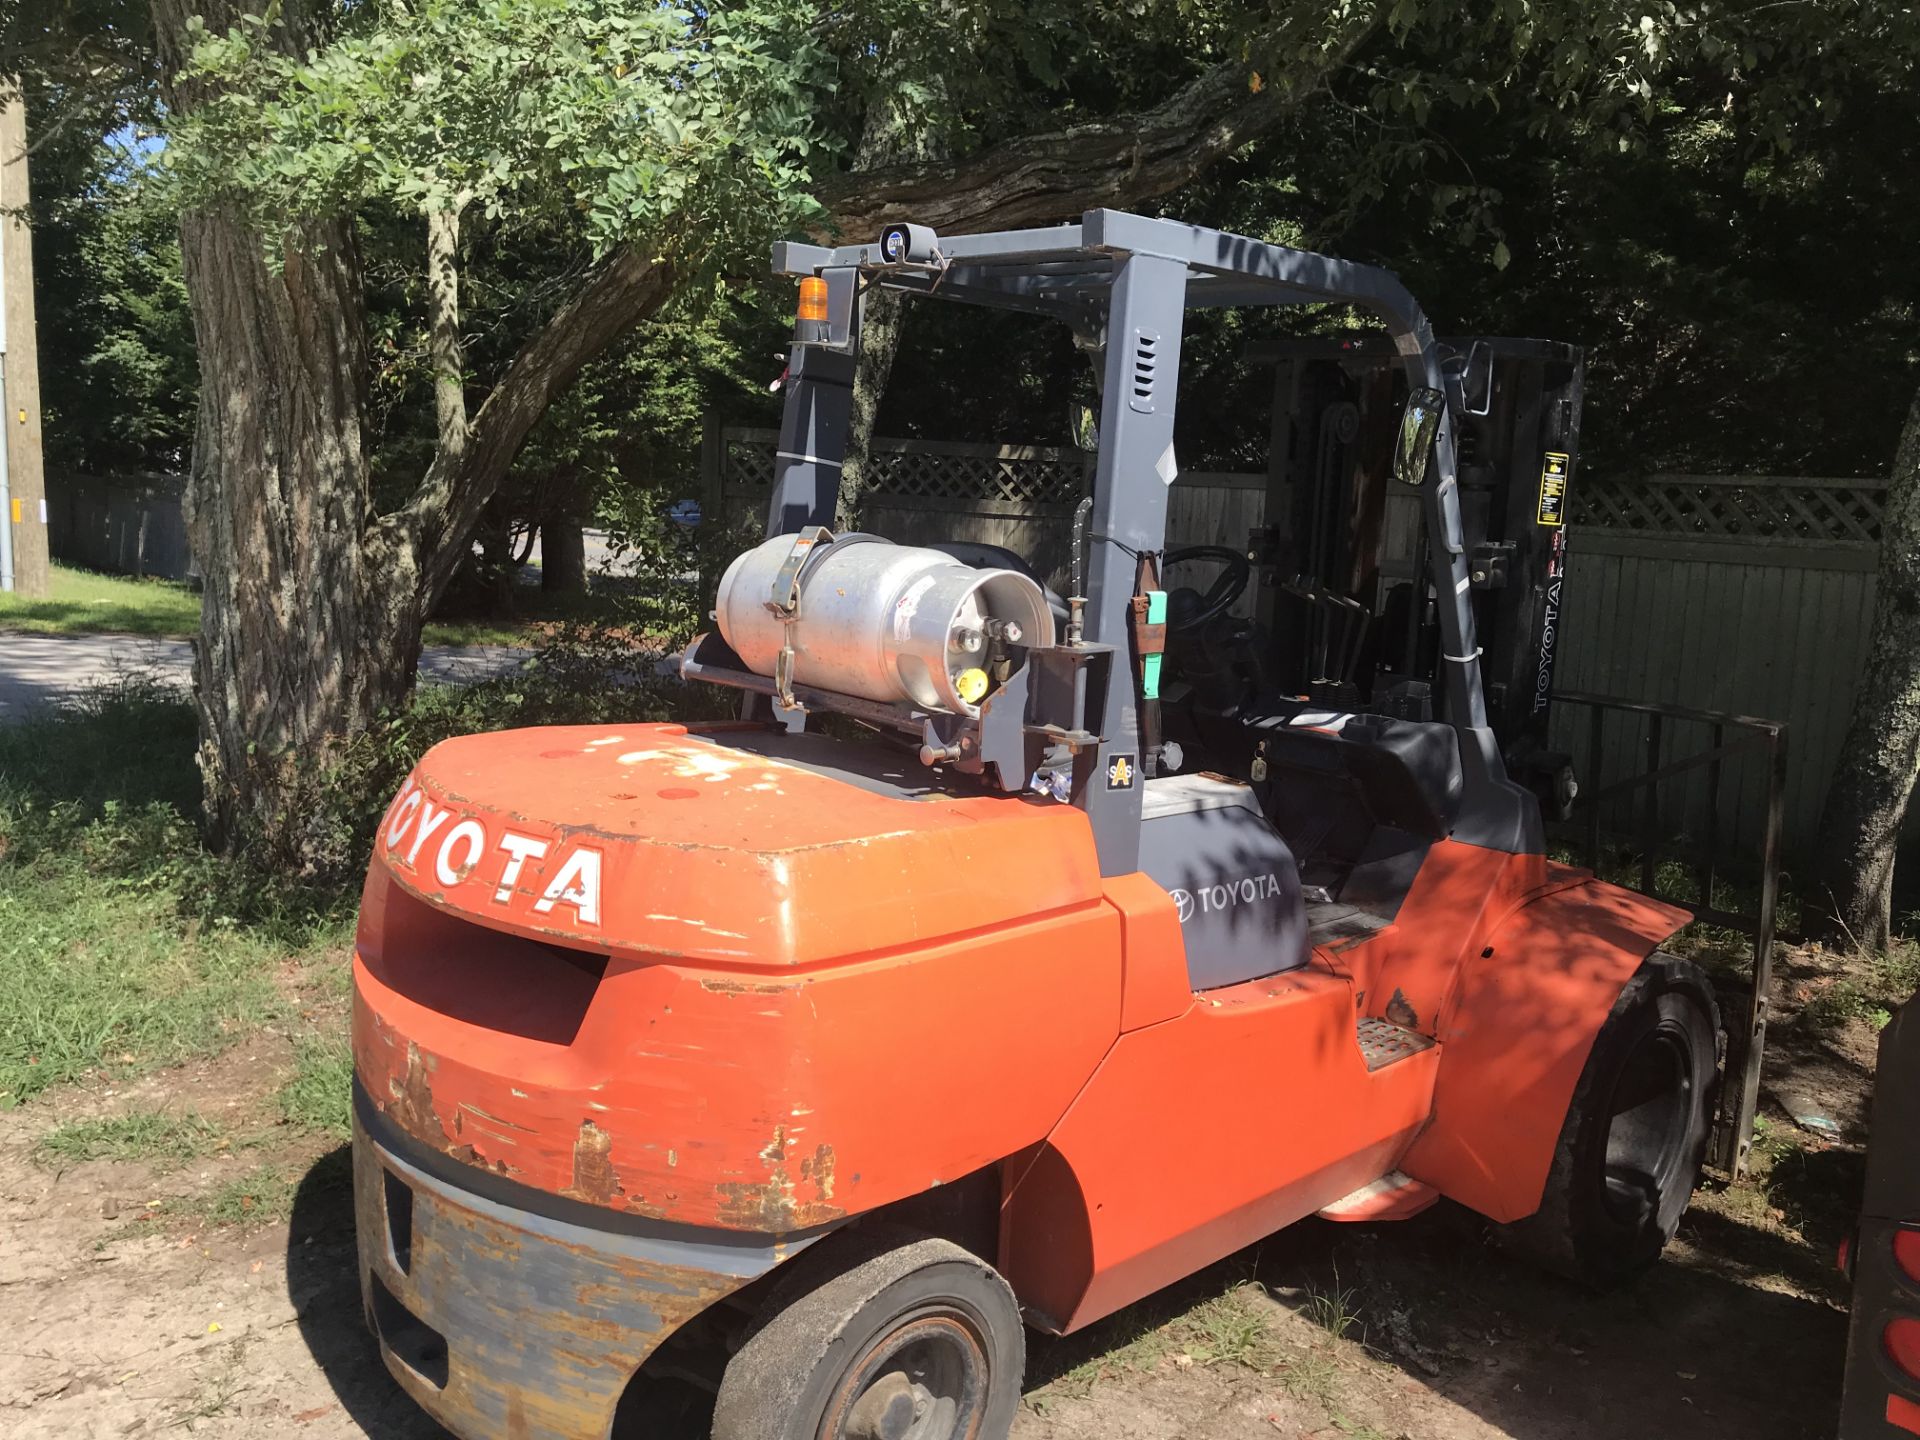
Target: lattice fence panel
[(1735, 507), (1014, 476), (919, 470), (749, 463)]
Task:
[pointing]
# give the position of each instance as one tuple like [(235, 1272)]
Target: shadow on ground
[(1700, 1346), (323, 1284)]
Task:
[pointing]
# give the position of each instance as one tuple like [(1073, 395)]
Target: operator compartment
[(638, 966)]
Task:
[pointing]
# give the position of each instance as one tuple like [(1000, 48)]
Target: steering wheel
[(1227, 587)]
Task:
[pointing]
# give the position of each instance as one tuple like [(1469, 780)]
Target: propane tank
[(883, 621)]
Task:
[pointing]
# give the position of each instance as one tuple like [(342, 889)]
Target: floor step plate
[(1382, 1042), (1394, 1196)]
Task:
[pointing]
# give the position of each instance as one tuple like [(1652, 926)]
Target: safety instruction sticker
[(1553, 489)]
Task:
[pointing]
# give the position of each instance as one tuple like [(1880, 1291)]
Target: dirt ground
[(130, 1309)]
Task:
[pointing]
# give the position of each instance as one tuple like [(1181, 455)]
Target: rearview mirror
[(1419, 425), (1476, 380)]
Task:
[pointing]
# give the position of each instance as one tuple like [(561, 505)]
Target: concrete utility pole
[(23, 487)]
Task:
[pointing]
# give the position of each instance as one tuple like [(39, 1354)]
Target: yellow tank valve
[(970, 684)]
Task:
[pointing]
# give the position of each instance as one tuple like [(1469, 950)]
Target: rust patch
[(593, 1177), (1401, 1012), (818, 1167), (547, 1361), (412, 1107), (776, 1152), (740, 987), (772, 1205), (467, 1155)]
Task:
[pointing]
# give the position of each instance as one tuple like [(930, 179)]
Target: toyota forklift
[(811, 1056)]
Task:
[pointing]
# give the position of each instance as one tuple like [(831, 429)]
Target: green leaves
[(666, 125)]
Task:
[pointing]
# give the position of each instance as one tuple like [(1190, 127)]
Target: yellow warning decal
[(1553, 488)]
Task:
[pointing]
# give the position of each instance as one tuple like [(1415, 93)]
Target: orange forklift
[(802, 1061)]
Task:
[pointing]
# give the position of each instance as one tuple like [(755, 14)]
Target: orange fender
[(1517, 1033)]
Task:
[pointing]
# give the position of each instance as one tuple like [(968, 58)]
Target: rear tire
[(895, 1338), (1630, 1149)]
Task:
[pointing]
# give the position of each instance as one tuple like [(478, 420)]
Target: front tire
[(1631, 1146), (914, 1340)]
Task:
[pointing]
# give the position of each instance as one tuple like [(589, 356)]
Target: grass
[(261, 1196), (155, 1135), (1332, 1309), (84, 601), (1233, 1327), (87, 602), (318, 1099), (114, 954), (109, 980)]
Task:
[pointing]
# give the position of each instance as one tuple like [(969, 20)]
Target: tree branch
[(1039, 179), (443, 330), (622, 289)]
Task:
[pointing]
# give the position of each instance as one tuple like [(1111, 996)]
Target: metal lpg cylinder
[(882, 621)]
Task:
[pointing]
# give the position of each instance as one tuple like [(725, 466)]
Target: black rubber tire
[(1621, 1178), (842, 1306)]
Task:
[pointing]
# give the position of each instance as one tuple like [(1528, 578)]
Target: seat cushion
[(1407, 772)]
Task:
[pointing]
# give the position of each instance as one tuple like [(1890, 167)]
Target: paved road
[(36, 669)]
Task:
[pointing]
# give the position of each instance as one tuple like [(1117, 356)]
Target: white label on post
[(1166, 469)]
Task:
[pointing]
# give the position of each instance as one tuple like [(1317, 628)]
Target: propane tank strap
[(808, 548), (1149, 635), (1146, 616)]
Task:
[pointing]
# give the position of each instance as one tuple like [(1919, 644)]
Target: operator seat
[(1406, 773)]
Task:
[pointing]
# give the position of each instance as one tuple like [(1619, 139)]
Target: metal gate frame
[(1747, 1034)]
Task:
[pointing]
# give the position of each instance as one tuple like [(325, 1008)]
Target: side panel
[(1410, 971), (1200, 1135), (1517, 1034), (1155, 985)]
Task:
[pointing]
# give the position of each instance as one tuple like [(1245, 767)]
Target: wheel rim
[(1651, 1116), (925, 1378)]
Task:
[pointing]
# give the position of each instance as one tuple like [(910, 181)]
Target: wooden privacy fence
[(1749, 594), (1745, 594), (130, 524)]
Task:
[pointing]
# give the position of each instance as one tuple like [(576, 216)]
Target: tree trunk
[(305, 631), (1867, 800), (880, 325), (886, 137), (563, 541), (307, 623)]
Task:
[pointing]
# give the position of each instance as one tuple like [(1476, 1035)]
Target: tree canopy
[(434, 218)]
